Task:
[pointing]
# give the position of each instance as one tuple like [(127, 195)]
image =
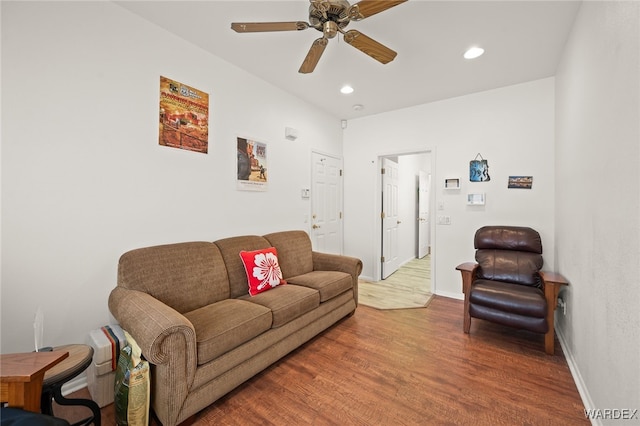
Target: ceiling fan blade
[(312, 58), (377, 51), (365, 8), (253, 27)]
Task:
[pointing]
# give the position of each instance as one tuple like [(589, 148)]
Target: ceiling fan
[(331, 17)]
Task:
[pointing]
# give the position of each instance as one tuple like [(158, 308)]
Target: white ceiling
[(523, 41)]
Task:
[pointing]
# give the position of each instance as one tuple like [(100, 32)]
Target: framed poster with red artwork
[(184, 116)]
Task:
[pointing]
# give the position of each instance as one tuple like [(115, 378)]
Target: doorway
[(405, 218)]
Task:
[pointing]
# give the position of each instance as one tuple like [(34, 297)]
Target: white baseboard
[(74, 385), (577, 377), (458, 296)]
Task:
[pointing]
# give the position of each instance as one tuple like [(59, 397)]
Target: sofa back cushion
[(294, 252), (185, 276), (230, 249)]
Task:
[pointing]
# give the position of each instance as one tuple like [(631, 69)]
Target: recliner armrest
[(553, 277), (551, 284), (468, 271)]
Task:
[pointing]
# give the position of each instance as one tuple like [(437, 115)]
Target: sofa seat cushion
[(286, 302), (513, 298), (226, 324), (328, 283)]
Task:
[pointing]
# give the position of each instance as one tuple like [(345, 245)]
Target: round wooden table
[(80, 357)]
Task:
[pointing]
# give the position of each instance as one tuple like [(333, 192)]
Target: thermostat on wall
[(475, 199)]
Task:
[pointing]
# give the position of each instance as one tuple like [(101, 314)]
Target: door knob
[(315, 226)]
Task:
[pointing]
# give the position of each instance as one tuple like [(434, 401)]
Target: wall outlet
[(444, 220), (562, 305)]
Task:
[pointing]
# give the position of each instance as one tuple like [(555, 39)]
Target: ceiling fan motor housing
[(336, 11)]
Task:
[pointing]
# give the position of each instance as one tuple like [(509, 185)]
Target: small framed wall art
[(520, 182), (479, 169)]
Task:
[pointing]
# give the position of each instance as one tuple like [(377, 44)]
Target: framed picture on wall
[(184, 116), (479, 169), (520, 182), (251, 161)]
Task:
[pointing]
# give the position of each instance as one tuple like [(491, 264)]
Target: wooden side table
[(80, 357), (22, 375)]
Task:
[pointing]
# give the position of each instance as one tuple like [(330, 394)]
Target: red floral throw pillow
[(263, 270)]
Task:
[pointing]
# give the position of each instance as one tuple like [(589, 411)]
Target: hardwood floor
[(406, 367), (408, 287)]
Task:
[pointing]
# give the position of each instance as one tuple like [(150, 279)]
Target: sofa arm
[(336, 262), (151, 323)]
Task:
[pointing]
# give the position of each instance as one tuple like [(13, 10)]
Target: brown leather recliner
[(506, 284)]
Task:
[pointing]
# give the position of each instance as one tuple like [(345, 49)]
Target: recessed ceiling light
[(346, 89), (358, 107), (473, 52)]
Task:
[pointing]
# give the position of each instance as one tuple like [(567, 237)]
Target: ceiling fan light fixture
[(474, 52), (346, 89)]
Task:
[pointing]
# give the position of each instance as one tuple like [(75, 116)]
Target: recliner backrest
[(509, 254)]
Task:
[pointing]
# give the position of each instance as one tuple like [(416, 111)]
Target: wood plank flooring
[(408, 287), (406, 367)]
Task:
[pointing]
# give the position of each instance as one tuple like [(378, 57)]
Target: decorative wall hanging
[(251, 165), (522, 182), (184, 116), (479, 170)]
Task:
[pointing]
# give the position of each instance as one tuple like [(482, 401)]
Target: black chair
[(506, 285), (11, 416)]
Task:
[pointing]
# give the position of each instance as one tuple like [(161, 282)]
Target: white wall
[(512, 127), (83, 176), (598, 200)]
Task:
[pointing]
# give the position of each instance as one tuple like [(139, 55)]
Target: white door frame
[(377, 220), (424, 229)]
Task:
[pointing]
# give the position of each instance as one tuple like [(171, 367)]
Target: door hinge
[(340, 172), (382, 215), (340, 215), (382, 259), (382, 171)]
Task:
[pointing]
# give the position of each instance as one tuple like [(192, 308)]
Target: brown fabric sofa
[(187, 306)]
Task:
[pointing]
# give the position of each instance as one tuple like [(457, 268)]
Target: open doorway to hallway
[(404, 219)]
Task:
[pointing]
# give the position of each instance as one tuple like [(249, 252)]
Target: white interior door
[(424, 240), (326, 204), (390, 218)]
